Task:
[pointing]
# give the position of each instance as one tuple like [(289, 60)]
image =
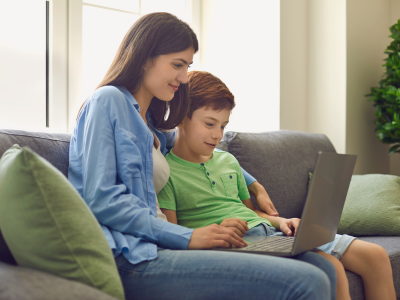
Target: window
[(23, 65), (239, 42), (95, 38)]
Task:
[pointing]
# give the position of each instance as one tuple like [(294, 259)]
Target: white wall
[(313, 68), (293, 65), (367, 38), (23, 65), (340, 47), (326, 84), (240, 45)]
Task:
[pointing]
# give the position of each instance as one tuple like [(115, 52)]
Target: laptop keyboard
[(280, 244)]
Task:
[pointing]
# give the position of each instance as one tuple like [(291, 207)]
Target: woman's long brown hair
[(152, 35)]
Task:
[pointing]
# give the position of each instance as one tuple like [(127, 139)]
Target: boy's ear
[(181, 124)]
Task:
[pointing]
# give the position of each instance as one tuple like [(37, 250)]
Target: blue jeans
[(203, 274)]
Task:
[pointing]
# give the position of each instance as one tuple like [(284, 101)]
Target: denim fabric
[(338, 246), (202, 274), (264, 230)]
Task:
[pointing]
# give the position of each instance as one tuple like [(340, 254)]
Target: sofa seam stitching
[(35, 137)]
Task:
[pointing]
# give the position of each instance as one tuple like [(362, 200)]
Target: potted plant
[(386, 97)]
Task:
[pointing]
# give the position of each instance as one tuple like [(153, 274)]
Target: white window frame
[(66, 77)]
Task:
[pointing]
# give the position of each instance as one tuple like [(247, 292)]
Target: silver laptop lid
[(325, 200)]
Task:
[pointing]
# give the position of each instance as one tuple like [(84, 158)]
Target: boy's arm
[(287, 226), (170, 214)]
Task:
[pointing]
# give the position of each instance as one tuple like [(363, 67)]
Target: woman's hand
[(288, 226), (238, 226), (263, 199), (213, 236)]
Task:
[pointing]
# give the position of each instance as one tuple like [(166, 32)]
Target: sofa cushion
[(5, 253), (48, 226), (54, 147), (18, 283), (392, 246), (372, 206), (280, 161)]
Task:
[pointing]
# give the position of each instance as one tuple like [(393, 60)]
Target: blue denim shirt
[(111, 166)]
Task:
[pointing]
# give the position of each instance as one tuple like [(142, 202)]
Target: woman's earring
[(167, 111)]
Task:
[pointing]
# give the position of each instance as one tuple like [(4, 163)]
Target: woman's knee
[(319, 284)]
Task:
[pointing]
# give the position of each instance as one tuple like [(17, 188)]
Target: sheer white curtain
[(104, 24)]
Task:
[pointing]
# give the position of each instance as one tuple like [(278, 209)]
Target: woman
[(114, 144)]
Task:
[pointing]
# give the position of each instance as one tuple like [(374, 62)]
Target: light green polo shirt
[(207, 193)]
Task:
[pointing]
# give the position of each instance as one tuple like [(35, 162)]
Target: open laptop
[(321, 213)]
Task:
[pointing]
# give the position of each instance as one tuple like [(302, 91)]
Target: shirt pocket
[(230, 184)]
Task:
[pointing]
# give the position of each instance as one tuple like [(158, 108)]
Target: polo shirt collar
[(191, 164)]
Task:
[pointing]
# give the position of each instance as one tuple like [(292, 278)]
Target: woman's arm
[(105, 182), (288, 226), (263, 199)]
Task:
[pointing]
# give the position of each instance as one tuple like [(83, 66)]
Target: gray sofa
[(279, 160)]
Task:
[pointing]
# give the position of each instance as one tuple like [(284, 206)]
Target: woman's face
[(165, 73)]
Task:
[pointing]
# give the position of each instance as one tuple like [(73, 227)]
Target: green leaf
[(393, 149), (378, 111), (386, 97), (389, 126)]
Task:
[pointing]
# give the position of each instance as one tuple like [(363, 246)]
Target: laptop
[(321, 213)]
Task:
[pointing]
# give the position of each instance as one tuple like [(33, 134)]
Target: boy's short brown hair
[(208, 90)]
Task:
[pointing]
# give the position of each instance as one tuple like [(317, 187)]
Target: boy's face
[(203, 132)]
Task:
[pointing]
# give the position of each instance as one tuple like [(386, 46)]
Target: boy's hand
[(238, 226), (288, 226), (213, 236)]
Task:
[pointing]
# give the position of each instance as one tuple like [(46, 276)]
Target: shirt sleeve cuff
[(167, 205), (248, 178), (174, 236)]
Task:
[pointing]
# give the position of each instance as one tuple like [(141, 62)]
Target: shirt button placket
[(213, 183)]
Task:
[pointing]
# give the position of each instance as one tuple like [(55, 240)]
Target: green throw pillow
[(372, 206), (48, 226)]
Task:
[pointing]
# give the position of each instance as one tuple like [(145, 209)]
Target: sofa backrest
[(280, 161), (52, 146)]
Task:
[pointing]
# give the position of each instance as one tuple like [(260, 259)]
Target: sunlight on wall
[(240, 45)]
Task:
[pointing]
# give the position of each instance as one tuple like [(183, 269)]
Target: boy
[(207, 186)]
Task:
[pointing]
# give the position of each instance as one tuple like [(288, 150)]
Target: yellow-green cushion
[(372, 206), (48, 226)]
